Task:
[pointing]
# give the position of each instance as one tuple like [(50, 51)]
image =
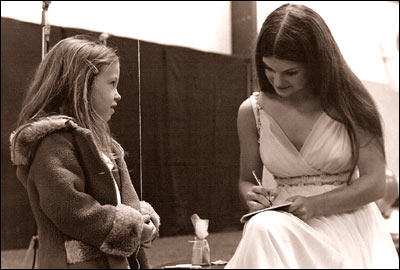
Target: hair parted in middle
[(62, 84), (297, 33)]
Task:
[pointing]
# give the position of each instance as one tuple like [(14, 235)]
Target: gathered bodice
[(326, 150)]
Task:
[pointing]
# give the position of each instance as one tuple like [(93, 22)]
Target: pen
[(259, 183), (255, 177)]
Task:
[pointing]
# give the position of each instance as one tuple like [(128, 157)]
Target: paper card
[(282, 207)]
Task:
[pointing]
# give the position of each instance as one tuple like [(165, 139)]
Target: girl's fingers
[(146, 218), (146, 244)]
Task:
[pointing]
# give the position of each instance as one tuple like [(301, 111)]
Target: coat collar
[(24, 139)]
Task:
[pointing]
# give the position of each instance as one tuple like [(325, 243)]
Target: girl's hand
[(149, 232), (302, 207), (259, 198)]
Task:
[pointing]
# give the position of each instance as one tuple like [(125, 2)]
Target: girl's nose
[(117, 96)]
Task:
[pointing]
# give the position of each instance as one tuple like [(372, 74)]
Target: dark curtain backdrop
[(190, 150)]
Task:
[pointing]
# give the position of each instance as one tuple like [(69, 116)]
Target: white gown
[(277, 239)]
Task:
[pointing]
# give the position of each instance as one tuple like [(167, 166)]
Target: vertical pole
[(244, 27), (244, 35), (45, 28), (140, 126)]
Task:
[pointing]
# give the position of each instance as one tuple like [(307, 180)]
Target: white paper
[(283, 207)]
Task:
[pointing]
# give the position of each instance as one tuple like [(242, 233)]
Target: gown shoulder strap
[(256, 110)]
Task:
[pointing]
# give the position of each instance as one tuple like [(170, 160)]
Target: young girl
[(87, 211), (314, 126)]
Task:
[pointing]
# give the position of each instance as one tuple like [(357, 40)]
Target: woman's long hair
[(297, 33), (62, 84)]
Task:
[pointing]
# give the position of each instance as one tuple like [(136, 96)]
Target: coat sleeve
[(59, 181)]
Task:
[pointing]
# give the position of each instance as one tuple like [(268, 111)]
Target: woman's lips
[(282, 88)]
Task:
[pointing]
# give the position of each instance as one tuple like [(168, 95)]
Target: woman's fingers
[(264, 200), (291, 199), (298, 208), (273, 193), (259, 197), (294, 206), (254, 206), (259, 190), (257, 201)]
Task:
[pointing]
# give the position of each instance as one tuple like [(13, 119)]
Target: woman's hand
[(149, 232), (302, 207), (259, 198)]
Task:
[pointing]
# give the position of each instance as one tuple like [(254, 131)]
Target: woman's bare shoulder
[(245, 105), (245, 109), (246, 121)]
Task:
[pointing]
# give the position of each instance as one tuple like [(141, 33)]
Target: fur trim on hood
[(24, 139)]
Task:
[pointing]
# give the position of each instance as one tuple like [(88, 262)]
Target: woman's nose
[(278, 80)]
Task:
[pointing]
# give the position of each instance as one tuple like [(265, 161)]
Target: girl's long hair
[(62, 84), (297, 33)]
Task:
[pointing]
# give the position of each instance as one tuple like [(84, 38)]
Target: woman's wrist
[(318, 205)]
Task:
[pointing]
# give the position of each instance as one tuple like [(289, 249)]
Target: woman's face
[(288, 78), (105, 95)]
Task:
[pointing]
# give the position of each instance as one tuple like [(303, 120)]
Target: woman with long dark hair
[(315, 127)]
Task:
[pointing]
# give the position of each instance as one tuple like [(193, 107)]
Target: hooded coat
[(73, 198)]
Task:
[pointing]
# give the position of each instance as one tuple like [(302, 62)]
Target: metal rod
[(45, 28), (140, 126)]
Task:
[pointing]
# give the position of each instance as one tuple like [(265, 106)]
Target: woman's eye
[(291, 73)]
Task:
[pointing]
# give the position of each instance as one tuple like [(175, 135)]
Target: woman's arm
[(250, 193), (368, 188)]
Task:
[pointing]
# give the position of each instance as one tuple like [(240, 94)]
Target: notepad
[(283, 207)]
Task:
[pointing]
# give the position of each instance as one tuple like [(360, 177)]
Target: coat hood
[(24, 140)]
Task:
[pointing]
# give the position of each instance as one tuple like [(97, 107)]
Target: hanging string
[(140, 128)]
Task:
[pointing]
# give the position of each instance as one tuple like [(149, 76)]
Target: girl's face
[(105, 95), (288, 78)]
